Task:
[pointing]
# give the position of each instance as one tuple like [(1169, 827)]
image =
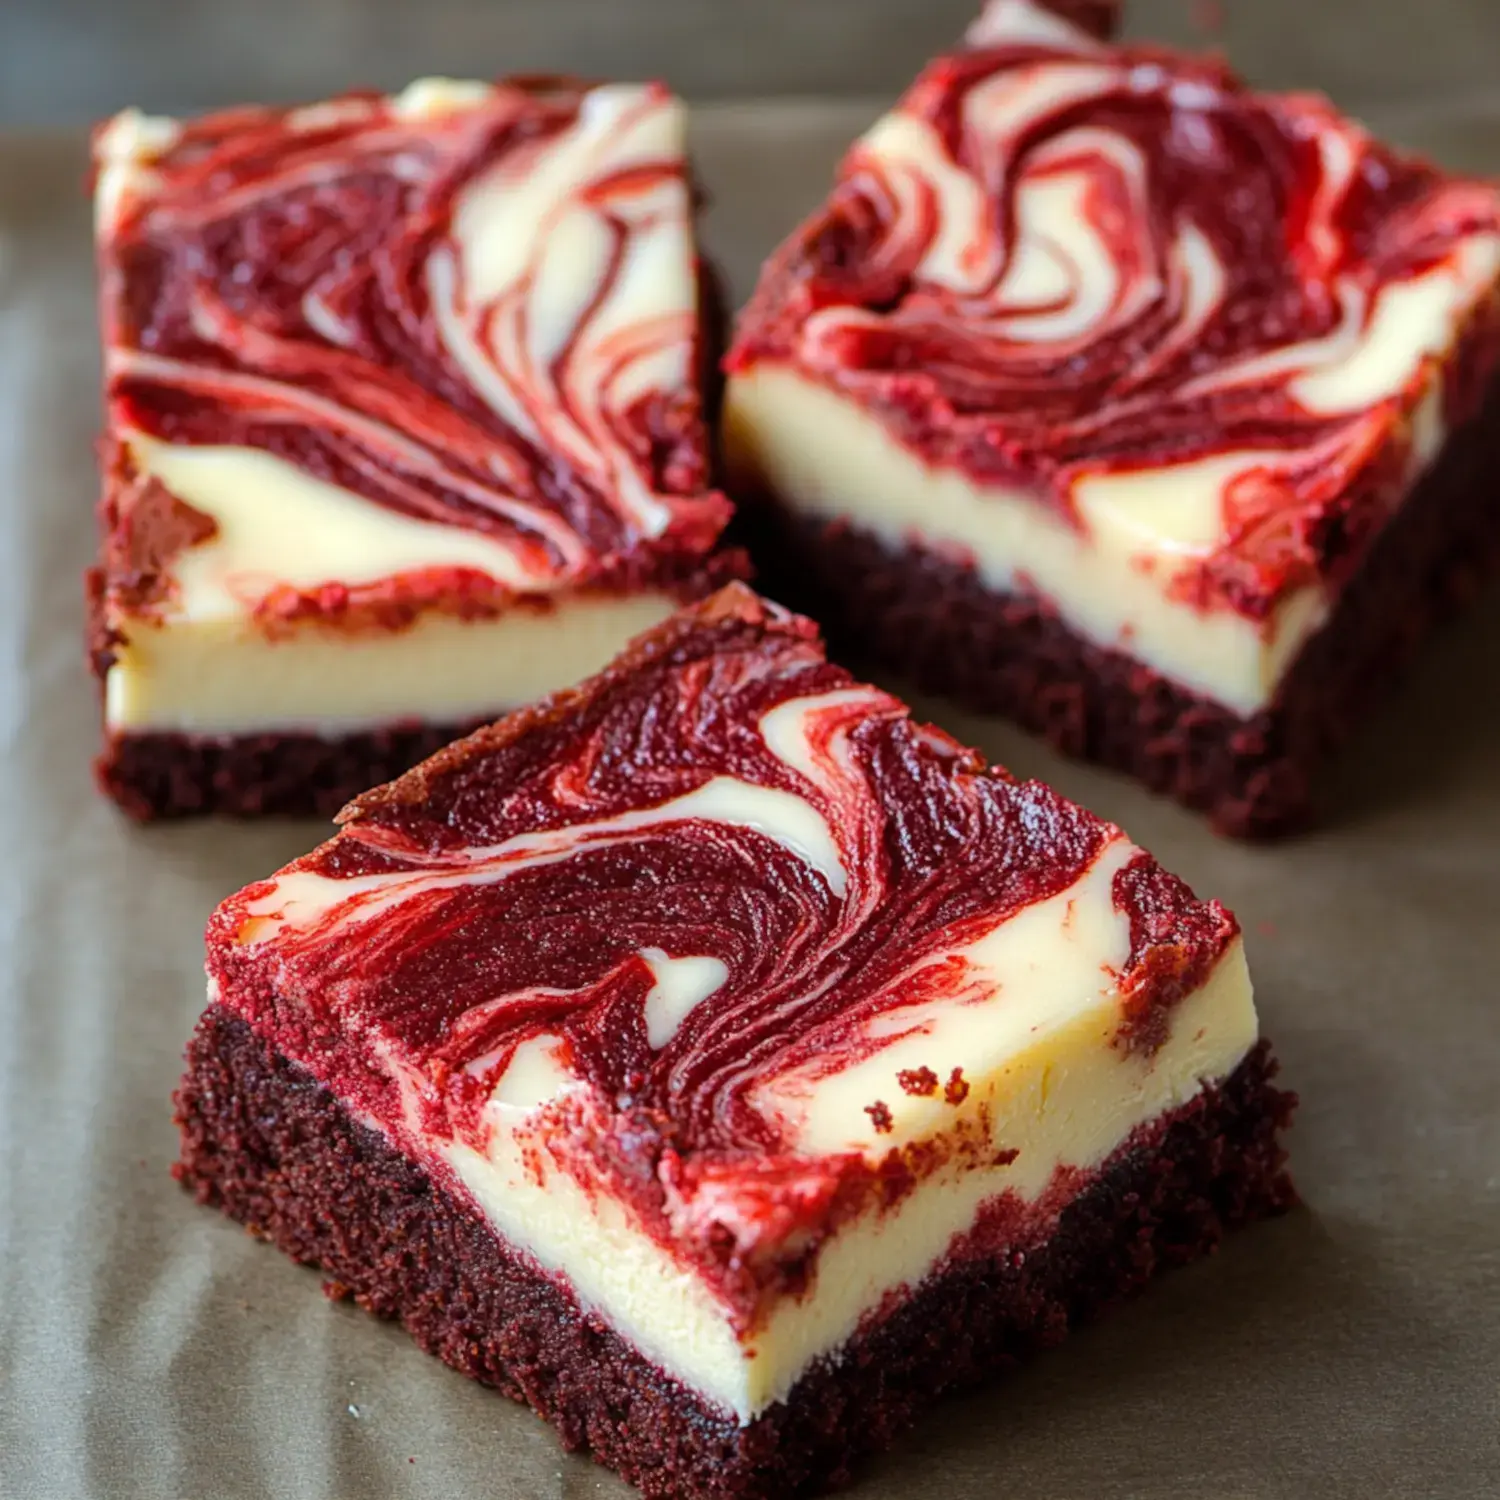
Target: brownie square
[(403, 426), (1111, 395), (726, 1065)]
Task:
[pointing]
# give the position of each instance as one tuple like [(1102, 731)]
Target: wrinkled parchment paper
[(150, 1348)]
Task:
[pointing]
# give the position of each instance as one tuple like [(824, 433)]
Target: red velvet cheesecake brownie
[(725, 1064), (403, 427), (1151, 411)]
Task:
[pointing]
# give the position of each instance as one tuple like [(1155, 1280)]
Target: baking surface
[(151, 1348)]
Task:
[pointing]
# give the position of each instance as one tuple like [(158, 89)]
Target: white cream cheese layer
[(227, 677), (1039, 1056), (203, 665), (827, 457)]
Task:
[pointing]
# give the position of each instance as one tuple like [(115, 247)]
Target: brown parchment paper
[(151, 1348)]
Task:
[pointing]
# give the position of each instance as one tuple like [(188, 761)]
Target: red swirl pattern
[(508, 889), (292, 280), (1240, 232)]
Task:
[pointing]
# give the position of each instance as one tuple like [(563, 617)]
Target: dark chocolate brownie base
[(268, 1145), (933, 622), (264, 775)]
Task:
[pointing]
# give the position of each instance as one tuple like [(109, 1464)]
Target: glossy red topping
[(530, 882), (1059, 259), (481, 314)]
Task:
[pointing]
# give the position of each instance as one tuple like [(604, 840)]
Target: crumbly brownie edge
[(163, 775), (930, 620), (273, 1149)]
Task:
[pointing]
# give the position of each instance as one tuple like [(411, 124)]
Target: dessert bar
[(403, 427), (726, 1064), (1109, 394)]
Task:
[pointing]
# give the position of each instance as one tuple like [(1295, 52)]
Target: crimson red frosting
[(270, 286), (1300, 207), (937, 847)]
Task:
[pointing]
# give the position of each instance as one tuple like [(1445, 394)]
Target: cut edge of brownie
[(272, 1148), (159, 776), (162, 774), (933, 622)]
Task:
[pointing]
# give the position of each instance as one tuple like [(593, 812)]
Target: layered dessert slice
[(403, 427), (726, 1064), (1110, 395)]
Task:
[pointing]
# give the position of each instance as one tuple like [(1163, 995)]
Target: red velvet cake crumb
[(918, 1081), (956, 1090)]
